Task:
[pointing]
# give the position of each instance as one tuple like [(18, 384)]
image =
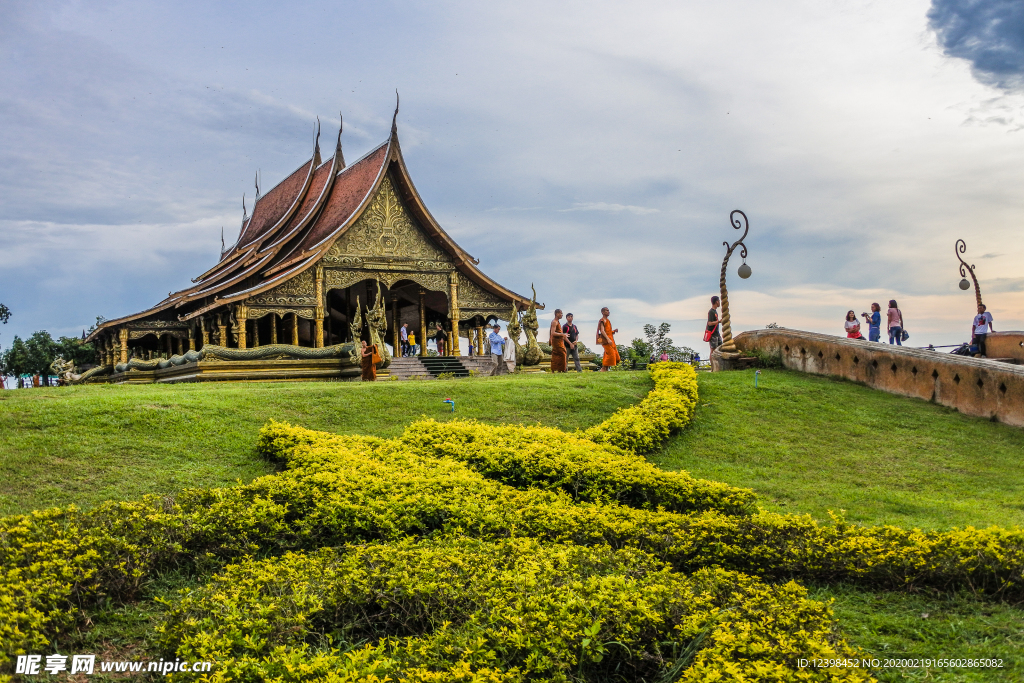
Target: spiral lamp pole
[(744, 272), (960, 248)]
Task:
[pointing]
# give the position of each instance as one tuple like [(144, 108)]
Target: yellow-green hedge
[(518, 609), (642, 428)]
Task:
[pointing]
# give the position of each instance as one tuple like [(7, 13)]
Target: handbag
[(710, 333), (376, 356), (904, 335)]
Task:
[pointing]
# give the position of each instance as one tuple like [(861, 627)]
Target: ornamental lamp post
[(965, 269), (728, 347)]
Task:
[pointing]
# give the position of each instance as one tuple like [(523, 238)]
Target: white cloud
[(614, 208)]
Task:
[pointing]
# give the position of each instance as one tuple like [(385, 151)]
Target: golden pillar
[(191, 338), (255, 334), (222, 331), (123, 334), (242, 316), (319, 307), (453, 302), (273, 328), (480, 337), (397, 336), (295, 329), (205, 331), (423, 322)]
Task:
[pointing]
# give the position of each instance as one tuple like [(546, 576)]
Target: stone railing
[(973, 386), (1006, 345)]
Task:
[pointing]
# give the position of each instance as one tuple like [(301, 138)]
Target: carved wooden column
[(481, 338), (423, 322), (255, 334), (123, 335), (453, 302), (319, 313), (222, 331), (295, 329), (273, 328), (205, 330), (191, 337), (397, 341), (242, 316)]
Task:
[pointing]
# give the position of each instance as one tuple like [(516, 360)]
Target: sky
[(592, 149)]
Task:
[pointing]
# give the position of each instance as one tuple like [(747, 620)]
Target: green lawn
[(87, 444), (803, 443), (813, 444)]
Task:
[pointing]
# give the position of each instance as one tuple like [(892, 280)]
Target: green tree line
[(35, 354)]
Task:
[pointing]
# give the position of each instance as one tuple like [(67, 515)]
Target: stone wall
[(974, 386), (1006, 345)]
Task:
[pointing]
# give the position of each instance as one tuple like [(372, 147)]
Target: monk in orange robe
[(559, 359), (606, 338), (369, 369)]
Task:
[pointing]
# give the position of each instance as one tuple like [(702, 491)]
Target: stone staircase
[(429, 367), (407, 368)]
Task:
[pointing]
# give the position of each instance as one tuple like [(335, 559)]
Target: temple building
[(333, 254)]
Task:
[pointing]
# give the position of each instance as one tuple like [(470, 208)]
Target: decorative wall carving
[(386, 228), (472, 295), (298, 291), (139, 334), (256, 313), (157, 324), (340, 279)]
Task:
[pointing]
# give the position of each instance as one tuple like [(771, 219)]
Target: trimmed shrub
[(642, 428), (517, 609)]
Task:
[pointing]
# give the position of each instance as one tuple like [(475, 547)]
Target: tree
[(5, 314), (75, 350), (15, 360), (658, 343), (42, 350)]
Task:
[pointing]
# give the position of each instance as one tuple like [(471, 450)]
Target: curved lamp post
[(744, 272), (960, 248)]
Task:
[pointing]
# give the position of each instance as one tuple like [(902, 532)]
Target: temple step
[(407, 368), (437, 365)]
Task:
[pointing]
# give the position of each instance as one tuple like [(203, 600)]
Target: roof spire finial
[(337, 148), (256, 182), (316, 145), (245, 212), (394, 120), (222, 248)]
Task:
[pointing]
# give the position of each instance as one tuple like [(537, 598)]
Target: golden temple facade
[(333, 254)]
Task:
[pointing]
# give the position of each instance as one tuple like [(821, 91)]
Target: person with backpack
[(712, 332), (894, 321), (980, 329)]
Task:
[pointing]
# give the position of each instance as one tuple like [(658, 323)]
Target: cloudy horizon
[(591, 149)]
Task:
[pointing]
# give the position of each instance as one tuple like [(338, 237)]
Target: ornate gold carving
[(154, 324), (139, 334), (472, 295), (298, 291), (255, 313), (386, 228), (340, 279)]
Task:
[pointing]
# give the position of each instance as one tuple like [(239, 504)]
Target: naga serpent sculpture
[(267, 352), (66, 375), (960, 248), (728, 347), (377, 320), (533, 354), (514, 330)]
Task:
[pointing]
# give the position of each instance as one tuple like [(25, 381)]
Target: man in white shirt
[(980, 329), (404, 334)]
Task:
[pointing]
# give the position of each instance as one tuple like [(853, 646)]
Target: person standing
[(874, 322), (404, 335), (369, 369), (497, 344), (413, 348), (713, 332), (894, 321), (440, 338), (980, 329), (606, 338), (572, 335), (852, 326), (556, 337)]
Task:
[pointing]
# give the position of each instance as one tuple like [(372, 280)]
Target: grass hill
[(803, 443)]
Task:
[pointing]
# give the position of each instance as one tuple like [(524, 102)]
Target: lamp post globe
[(744, 271), (965, 284)]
